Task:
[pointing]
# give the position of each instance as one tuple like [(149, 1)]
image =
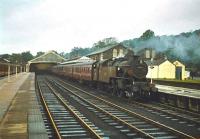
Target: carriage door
[(95, 72)]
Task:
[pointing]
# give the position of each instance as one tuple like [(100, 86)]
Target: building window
[(114, 53), (101, 56), (147, 54), (121, 53)]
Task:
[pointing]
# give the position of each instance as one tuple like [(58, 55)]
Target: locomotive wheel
[(114, 87), (120, 93)]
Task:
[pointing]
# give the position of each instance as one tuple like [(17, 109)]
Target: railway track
[(65, 120), (172, 113), (180, 119), (187, 121), (130, 123)]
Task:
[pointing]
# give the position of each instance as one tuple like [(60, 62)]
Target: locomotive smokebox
[(138, 68)]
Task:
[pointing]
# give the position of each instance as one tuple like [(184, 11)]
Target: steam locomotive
[(125, 76)]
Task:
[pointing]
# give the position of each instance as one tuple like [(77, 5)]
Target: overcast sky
[(42, 25)]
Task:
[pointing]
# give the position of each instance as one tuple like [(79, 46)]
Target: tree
[(16, 58), (148, 34), (5, 56), (62, 54), (105, 42), (75, 52), (26, 56), (39, 54), (78, 51)]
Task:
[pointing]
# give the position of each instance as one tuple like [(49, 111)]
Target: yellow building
[(161, 69), (180, 70)]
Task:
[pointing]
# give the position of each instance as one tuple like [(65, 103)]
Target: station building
[(147, 53), (43, 62), (164, 69), (108, 52), (180, 70)]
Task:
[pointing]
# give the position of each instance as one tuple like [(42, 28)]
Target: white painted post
[(151, 67), (151, 77), (16, 70), (21, 68), (8, 72)]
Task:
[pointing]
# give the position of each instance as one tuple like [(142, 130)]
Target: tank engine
[(131, 79), (124, 76)]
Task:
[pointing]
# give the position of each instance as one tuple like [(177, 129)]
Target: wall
[(152, 73), (179, 64), (166, 70)]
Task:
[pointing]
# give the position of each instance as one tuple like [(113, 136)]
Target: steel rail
[(93, 133), (114, 117), (163, 111), (48, 113), (180, 109), (132, 113)]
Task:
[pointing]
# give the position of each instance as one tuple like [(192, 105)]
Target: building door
[(179, 73)]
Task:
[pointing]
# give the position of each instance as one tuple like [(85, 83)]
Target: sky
[(60, 25)]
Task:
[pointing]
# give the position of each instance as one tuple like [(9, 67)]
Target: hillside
[(184, 47)]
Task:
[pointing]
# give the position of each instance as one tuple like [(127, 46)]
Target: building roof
[(4, 60), (105, 49), (178, 63), (48, 57), (155, 62), (79, 60)]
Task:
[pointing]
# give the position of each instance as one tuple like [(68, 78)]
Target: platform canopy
[(79, 60), (47, 59)]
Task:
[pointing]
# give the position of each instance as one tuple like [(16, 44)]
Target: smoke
[(183, 47)]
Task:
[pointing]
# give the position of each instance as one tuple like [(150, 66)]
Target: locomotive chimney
[(131, 57)]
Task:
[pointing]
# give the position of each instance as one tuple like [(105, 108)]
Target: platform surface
[(20, 115), (180, 91)]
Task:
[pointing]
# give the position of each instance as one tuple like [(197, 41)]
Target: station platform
[(20, 115), (181, 91), (180, 97)]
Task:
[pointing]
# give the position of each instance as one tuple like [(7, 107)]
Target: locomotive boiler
[(125, 76)]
